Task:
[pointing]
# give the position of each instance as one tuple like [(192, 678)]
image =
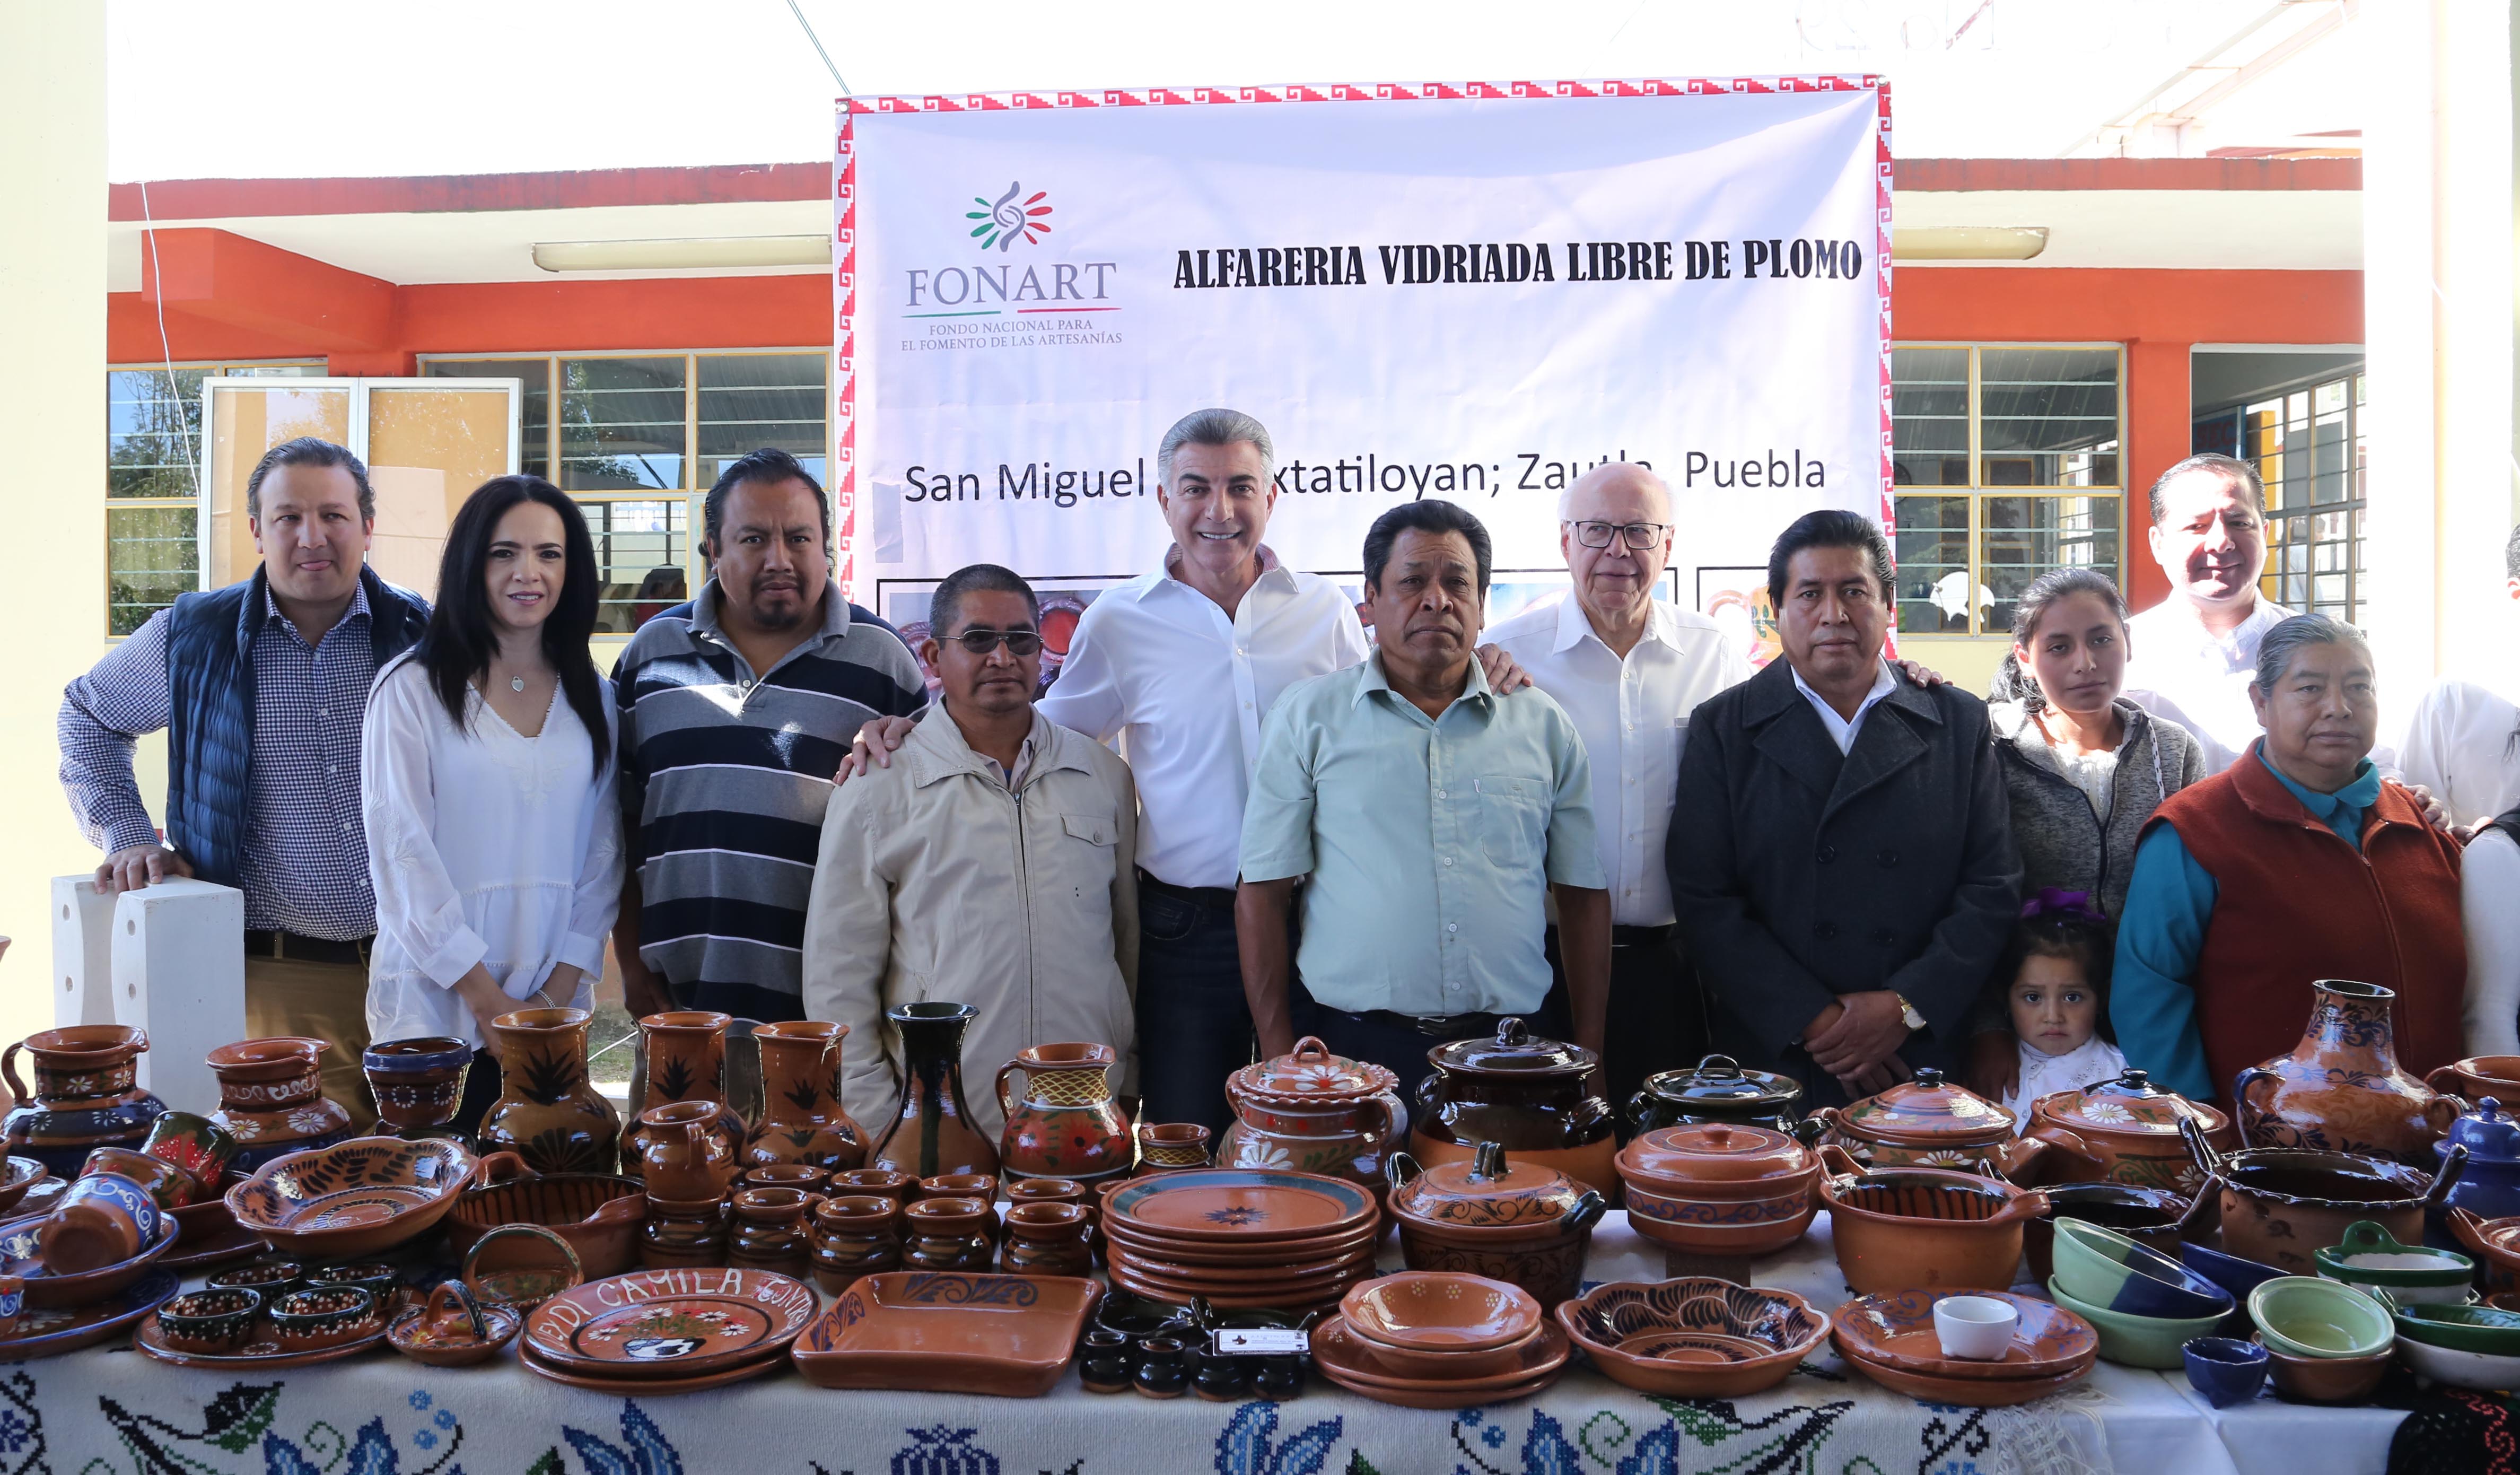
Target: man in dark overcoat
[(1840, 854)]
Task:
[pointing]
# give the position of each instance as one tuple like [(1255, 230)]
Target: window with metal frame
[(2007, 462), (2308, 446)]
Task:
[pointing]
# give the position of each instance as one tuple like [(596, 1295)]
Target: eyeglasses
[(1639, 535), (982, 642)]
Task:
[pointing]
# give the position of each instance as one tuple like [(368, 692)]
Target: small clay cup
[(195, 1143), (101, 1220), (310, 1321), (217, 1321), (981, 1185), (170, 1185), (374, 1277), (946, 1235), (1163, 1146), (1044, 1240), (805, 1178), (269, 1277), (882, 1182), (858, 1234)]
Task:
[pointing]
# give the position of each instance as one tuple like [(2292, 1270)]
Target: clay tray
[(259, 1355), (1006, 1337)]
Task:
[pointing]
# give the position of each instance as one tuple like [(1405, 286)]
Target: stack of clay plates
[(1241, 1236), (668, 1330)]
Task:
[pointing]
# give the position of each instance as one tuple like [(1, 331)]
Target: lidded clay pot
[(1930, 1121), (2124, 1130), (1524, 1093)]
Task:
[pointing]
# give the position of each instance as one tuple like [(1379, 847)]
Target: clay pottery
[(1044, 1240), (1528, 1225), (104, 1219), (997, 1335), (170, 1185), (879, 1183), (352, 1199), (2340, 1090), (770, 1230), (309, 1321), (1168, 1147), (854, 1235), (193, 1143), (2479, 1076), (85, 1094), (946, 1235), (2323, 1380), (2154, 1218), (1348, 1361), (2490, 1188), (980, 1185), (548, 1113), (1067, 1123), (1441, 1325), (2282, 1206), (1523, 1093), (684, 1054), (931, 1131), (803, 1176), (519, 1267), (1930, 1121), (452, 1331), (272, 1101), (1696, 1338), (801, 1120), (682, 1234), (1715, 1090), (1927, 1228), (2496, 1244), (18, 1176), (1312, 1112), (215, 1321), (269, 1277), (2125, 1131), (1719, 1188), (596, 1215), (417, 1083), (1901, 1330), (687, 1152)]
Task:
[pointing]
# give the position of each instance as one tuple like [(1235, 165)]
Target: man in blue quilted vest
[(262, 687)]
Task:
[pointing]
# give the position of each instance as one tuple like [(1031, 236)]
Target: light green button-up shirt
[(1431, 844)]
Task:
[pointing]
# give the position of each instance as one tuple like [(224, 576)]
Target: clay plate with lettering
[(652, 1387), (669, 1324)]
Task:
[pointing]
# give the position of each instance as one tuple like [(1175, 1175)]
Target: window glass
[(2047, 417), (274, 370), (1933, 552), (2024, 537), (1929, 408), (153, 431), (751, 400), (643, 547), (621, 423), (533, 402), (152, 554)]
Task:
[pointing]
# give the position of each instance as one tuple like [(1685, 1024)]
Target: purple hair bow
[(2073, 906)]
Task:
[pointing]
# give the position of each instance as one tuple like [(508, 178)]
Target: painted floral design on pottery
[(1067, 1123), (83, 1096), (2340, 1090)]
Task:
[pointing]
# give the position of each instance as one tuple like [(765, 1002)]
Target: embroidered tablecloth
[(110, 1409)]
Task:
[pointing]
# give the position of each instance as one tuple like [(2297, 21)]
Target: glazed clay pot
[(419, 1084), (1924, 1229), (548, 1113), (2282, 1206), (685, 1053), (2125, 1131), (2340, 1090), (1066, 1124), (688, 1155), (1044, 1240), (596, 1215), (1312, 1112), (1525, 1225), (1933, 1122), (2490, 1188), (1718, 1189), (855, 1234), (1524, 1093), (801, 1120), (931, 1131), (272, 1101), (770, 1230), (85, 1094), (1715, 1090)]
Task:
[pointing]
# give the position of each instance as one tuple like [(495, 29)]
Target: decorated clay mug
[(193, 1144), (170, 1185), (103, 1218)]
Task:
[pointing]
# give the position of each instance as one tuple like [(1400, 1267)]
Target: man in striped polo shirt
[(736, 710)]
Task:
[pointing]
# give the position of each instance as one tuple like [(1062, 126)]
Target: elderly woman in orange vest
[(2296, 863)]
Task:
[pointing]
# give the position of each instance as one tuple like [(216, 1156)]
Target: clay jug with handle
[(686, 1156), (1067, 1124)]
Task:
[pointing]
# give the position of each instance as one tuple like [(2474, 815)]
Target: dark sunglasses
[(982, 642)]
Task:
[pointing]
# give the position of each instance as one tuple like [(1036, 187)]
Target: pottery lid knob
[(1928, 1077)]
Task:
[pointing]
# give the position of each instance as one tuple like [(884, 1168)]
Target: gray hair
[(2232, 468), (1214, 427), (2275, 652)]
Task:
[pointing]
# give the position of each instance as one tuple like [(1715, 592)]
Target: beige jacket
[(936, 883)]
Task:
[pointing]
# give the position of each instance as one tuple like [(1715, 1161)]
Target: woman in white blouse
[(494, 836)]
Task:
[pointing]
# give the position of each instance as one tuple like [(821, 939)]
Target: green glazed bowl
[(2370, 1258), (2467, 1328), (2311, 1317), (2136, 1341)]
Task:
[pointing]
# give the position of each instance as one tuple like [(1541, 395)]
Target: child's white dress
[(2042, 1074)]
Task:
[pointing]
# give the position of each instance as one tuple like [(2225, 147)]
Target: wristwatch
[(1907, 1014)]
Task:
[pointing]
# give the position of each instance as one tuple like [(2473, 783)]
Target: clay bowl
[(1359, 1364), (2107, 1269), (19, 1175), (1924, 1229), (2326, 1380), (2497, 1076), (596, 1214), (1694, 1337), (2153, 1217), (354, 1198), (2282, 1206), (1429, 1310), (1896, 1329), (500, 1323)]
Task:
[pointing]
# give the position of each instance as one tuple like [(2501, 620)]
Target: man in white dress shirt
[(1629, 669), (1181, 664), (2191, 658)]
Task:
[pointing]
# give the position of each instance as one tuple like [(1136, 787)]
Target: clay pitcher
[(86, 1095), (685, 1157), (801, 1120), (2340, 1090), (684, 1050), (931, 1131), (1067, 1124), (548, 1113)]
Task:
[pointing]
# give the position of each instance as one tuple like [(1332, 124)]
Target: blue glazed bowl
[(2226, 1369), (2232, 1272), (2100, 1266)]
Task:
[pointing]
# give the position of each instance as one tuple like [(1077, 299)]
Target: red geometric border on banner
[(845, 204)]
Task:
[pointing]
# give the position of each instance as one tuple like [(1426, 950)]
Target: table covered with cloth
[(112, 1409)]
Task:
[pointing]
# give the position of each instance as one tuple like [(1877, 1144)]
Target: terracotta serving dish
[(1694, 1337), (19, 1256), (354, 1198), (1719, 1188), (1429, 1310), (1349, 1361), (1896, 1329), (1924, 1229), (670, 1323), (1006, 1337), (2479, 1076), (1968, 1393), (2125, 1131), (2325, 1380), (2280, 1206), (598, 1213), (1933, 1122), (1237, 1205)]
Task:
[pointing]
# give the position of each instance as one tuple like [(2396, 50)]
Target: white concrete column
[(179, 974), (83, 978)]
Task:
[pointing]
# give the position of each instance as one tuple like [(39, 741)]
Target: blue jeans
[(1194, 1027)]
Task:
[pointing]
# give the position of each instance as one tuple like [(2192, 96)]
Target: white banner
[(1473, 292)]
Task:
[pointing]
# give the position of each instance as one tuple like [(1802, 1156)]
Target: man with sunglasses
[(1628, 668), (992, 863)]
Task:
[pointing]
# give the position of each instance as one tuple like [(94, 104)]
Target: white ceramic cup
[(1975, 1327)]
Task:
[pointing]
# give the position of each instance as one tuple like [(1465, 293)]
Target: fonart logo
[(1003, 222)]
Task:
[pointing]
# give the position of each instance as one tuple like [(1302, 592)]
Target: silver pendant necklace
[(515, 683)]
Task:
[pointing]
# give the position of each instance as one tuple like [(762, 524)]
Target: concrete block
[(82, 981), (179, 974)]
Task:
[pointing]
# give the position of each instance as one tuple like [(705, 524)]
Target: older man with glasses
[(1628, 668)]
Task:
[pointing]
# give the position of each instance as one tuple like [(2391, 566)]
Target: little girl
[(2058, 961)]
